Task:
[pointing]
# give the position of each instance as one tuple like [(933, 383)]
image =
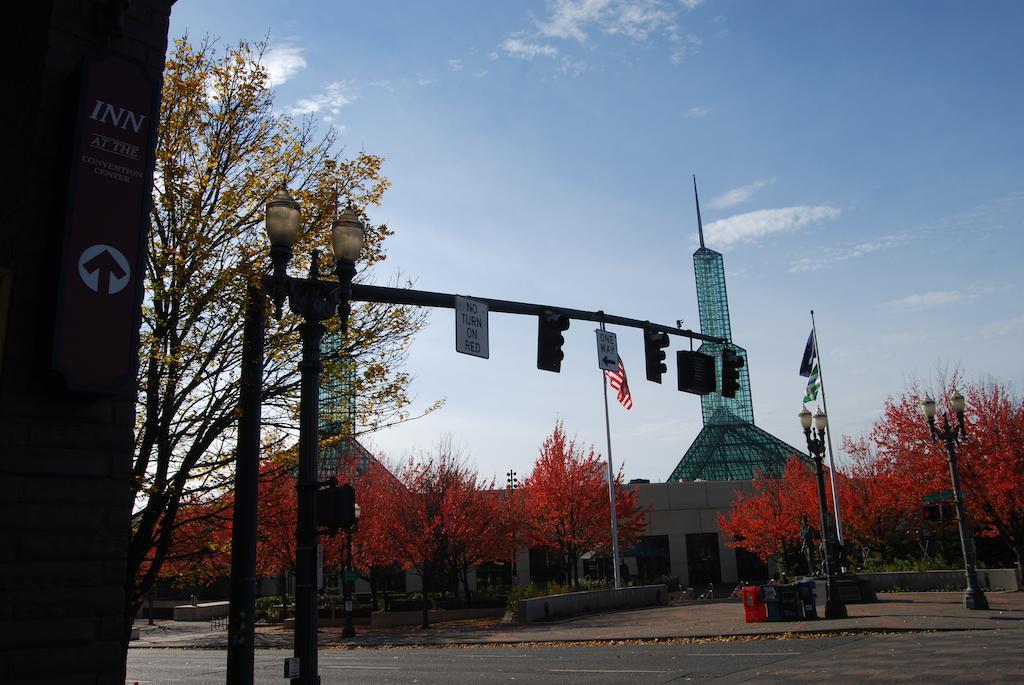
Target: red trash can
[(754, 607)]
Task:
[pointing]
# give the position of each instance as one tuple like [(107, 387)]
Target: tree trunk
[(374, 581), (426, 599), (131, 610), (282, 587), (465, 584)]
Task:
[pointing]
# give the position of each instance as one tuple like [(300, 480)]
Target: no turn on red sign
[(471, 327)]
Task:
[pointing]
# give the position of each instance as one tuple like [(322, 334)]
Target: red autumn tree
[(567, 497), (275, 541), (767, 522), (880, 503), (423, 517), (200, 552), (480, 529), (991, 459), (372, 553)]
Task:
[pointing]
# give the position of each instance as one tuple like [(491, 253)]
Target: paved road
[(995, 656)]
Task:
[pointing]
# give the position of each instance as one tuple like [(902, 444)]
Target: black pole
[(974, 597), (312, 332), (834, 607), (242, 611), (349, 630)]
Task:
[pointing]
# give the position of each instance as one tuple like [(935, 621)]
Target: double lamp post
[(951, 433), (834, 607), (315, 301)]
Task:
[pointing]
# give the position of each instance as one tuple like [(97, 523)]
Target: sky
[(861, 160)]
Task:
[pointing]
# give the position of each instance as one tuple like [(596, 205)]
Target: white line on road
[(375, 668), (743, 654), (598, 670)]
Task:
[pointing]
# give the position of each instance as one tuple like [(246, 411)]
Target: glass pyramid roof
[(728, 448)]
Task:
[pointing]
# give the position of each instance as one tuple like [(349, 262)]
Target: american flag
[(617, 379)]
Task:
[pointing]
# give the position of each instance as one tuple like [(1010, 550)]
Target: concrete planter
[(573, 603), (390, 619), (200, 612), (324, 621), (923, 581)]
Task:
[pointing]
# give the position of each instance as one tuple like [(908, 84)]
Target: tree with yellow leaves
[(222, 151)]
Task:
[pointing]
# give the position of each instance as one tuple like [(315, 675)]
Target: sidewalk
[(906, 611)]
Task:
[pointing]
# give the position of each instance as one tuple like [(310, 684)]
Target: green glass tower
[(338, 413), (730, 446)]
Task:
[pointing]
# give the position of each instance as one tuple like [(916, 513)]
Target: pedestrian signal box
[(696, 372)]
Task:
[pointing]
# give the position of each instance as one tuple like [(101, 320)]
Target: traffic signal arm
[(422, 298)]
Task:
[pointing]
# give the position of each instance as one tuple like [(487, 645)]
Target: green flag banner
[(813, 385)]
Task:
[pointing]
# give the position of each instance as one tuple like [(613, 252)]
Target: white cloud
[(573, 67), (636, 19), (480, 73), (738, 196), (842, 253), (524, 49), (455, 64), (923, 301), (752, 226), (424, 81), (697, 112), (678, 55), (383, 83), (998, 329), (282, 63), (330, 100), (569, 17)]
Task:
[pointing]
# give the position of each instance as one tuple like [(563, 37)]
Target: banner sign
[(101, 272)]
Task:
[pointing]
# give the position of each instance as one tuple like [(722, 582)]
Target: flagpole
[(828, 435), (611, 483)]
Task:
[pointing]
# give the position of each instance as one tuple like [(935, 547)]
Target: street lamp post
[(834, 607), (513, 483), (950, 434), (315, 301), (349, 630)]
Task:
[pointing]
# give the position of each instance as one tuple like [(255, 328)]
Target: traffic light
[(696, 372), (654, 354), (550, 340), (731, 363), (336, 508)]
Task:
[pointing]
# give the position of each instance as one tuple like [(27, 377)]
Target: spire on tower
[(700, 225)]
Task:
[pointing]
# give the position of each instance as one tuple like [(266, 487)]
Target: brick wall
[(65, 457)]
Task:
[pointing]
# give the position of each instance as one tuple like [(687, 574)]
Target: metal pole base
[(348, 631), (975, 599), (835, 609)]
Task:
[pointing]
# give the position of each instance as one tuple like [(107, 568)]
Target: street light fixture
[(315, 301), (834, 607), (513, 483), (950, 434)]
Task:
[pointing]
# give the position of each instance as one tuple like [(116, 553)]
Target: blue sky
[(862, 160)]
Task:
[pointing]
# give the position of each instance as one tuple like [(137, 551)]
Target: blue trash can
[(789, 603)]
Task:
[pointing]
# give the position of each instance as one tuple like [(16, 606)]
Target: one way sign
[(607, 351)]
